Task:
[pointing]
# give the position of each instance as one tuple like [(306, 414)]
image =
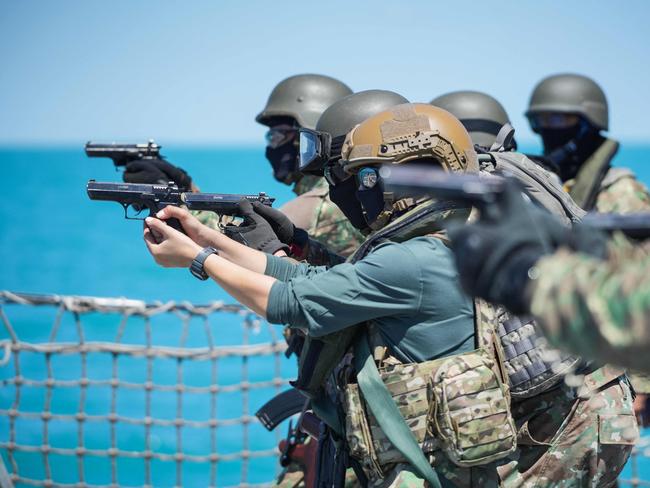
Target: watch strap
[(196, 268)]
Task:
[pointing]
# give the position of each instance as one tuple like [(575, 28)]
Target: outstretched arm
[(173, 249)]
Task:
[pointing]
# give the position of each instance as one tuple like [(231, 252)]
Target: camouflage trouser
[(567, 442)]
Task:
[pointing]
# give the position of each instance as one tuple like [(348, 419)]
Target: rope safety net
[(108, 392)]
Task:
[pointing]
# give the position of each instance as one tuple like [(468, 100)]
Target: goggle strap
[(336, 145)]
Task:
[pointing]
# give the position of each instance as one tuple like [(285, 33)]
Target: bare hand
[(169, 247), (199, 233)]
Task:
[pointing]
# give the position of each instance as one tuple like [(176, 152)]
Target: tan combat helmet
[(408, 133)]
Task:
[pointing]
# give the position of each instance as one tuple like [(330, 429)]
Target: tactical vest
[(585, 187), (458, 404)]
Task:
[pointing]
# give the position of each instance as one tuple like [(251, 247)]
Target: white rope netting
[(35, 357)]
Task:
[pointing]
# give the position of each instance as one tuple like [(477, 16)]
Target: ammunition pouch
[(532, 366), (470, 408), (456, 404)]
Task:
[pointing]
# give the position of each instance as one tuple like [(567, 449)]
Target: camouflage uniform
[(332, 236), (600, 308), (621, 192), (567, 442), (566, 439)]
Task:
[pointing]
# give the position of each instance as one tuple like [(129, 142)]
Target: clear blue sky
[(198, 71)]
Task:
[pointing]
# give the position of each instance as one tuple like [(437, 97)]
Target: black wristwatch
[(196, 268)]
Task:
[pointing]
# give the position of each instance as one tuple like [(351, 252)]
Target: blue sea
[(53, 239)]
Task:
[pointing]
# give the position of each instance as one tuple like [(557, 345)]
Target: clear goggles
[(552, 120), (280, 135)]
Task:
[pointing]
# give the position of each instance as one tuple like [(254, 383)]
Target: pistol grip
[(175, 224)]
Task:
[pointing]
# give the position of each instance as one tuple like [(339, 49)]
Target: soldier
[(502, 261), (484, 118), (334, 124), (399, 292), (569, 112), (298, 102)]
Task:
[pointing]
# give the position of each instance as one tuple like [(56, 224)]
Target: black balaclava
[(284, 161), (343, 194), (567, 149), (284, 158)]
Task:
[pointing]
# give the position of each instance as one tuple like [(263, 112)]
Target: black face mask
[(343, 194), (555, 138), (567, 149), (284, 160)]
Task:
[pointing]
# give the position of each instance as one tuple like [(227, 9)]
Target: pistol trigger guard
[(126, 212)]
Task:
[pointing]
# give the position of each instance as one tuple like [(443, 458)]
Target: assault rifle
[(486, 192), (121, 154), (135, 198)]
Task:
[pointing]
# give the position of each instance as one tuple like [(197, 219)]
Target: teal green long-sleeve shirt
[(409, 290)]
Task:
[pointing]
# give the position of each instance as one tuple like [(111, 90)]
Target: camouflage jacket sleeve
[(597, 309), (625, 194)]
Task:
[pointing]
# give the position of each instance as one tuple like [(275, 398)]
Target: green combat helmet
[(343, 115), (482, 115), (570, 94), (302, 98), (296, 102), (321, 148)]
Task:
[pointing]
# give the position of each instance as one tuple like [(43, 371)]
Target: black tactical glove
[(494, 257), (254, 232), (281, 225), (156, 171)]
